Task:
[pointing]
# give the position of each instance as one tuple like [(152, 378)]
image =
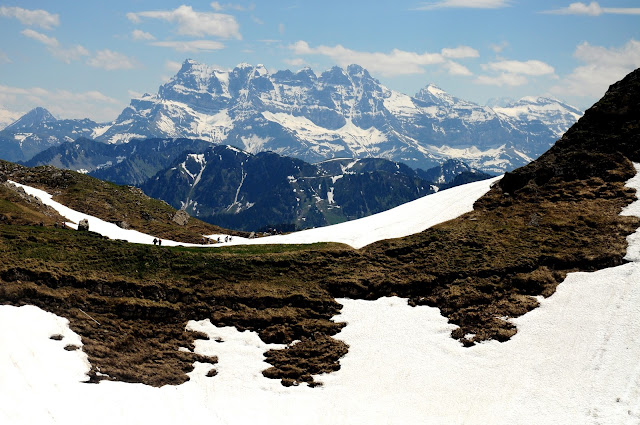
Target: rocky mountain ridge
[(343, 112)]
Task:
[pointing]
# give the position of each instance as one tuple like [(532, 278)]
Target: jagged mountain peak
[(434, 94), (343, 112), (31, 119)]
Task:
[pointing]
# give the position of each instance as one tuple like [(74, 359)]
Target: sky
[(88, 59)]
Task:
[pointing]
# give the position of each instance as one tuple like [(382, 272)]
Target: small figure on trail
[(218, 239), (159, 241), (230, 237), (155, 241), (226, 238)]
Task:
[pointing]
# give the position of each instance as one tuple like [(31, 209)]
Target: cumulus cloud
[(141, 35), (66, 55), (33, 18), (397, 62), (513, 73), (601, 67), (110, 60), (190, 46), (466, 4), (190, 22), (454, 68), (530, 67), (593, 9), (460, 52), (62, 103)]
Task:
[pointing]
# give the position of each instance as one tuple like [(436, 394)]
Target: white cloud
[(172, 66), (454, 68), (141, 35), (53, 45), (62, 103), (397, 62), (530, 67), (33, 18), (110, 60), (593, 9), (191, 46), (134, 94), (41, 38), (190, 22), (218, 7), (467, 4), (514, 73), (460, 52), (502, 80), (602, 67)]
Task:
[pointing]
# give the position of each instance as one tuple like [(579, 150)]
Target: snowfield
[(574, 360), (404, 220)]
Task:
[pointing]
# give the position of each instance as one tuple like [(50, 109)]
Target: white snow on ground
[(95, 224), (574, 360), (403, 220)]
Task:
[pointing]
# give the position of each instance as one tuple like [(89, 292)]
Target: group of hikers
[(205, 240), (208, 241)]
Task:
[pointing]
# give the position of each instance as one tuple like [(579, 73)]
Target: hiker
[(155, 241), (226, 238), (159, 241)]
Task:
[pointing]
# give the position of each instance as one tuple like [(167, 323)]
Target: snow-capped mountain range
[(343, 112)]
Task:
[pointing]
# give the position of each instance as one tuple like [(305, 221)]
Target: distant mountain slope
[(236, 189), (343, 112), (38, 130), (233, 188), (132, 163)]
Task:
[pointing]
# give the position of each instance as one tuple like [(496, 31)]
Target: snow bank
[(404, 220)]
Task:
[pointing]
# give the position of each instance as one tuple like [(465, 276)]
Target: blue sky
[(87, 59)]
